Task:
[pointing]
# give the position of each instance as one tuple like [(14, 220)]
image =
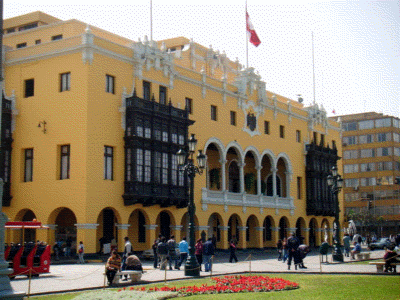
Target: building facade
[(371, 169), (95, 121)]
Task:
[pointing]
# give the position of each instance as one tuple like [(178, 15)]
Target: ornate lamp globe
[(201, 160), (181, 157)]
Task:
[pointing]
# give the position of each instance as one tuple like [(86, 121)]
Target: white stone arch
[(240, 173), (286, 158), (257, 165), (264, 171), (289, 171), (256, 155), (218, 143), (237, 146), (240, 154), (234, 160), (222, 159), (271, 156)]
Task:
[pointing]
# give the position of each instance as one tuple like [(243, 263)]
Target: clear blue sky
[(356, 43)]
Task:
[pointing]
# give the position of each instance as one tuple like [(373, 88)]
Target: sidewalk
[(90, 275)]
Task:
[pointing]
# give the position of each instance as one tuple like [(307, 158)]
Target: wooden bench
[(135, 276), (381, 264), (363, 255)]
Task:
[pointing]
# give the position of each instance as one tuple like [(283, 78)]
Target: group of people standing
[(62, 248), (165, 253), (292, 249)]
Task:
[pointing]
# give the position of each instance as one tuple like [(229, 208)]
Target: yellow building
[(96, 120), (371, 169)]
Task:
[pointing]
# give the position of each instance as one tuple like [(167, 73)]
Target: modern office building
[(92, 122), (371, 167)]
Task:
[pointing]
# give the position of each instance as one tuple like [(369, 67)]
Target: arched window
[(267, 230), (282, 230), (234, 177), (248, 230), (270, 187), (269, 191), (141, 228)]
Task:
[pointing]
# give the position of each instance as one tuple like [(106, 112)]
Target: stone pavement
[(90, 275)]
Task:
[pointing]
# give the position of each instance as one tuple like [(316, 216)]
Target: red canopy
[(25, 224)]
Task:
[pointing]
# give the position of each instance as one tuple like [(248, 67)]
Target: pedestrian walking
[(279, 246), (293, 244), (81, 252), (56, 250), (162, 251), (183, 249), (199, 252), (285, 252), (232, 250), (68, 244), (127, 252), (61, 245), (208, 252), (346, 244), (155, 245), (171, 244), (214, 241)]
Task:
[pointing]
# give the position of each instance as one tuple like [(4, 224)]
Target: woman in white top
[(81, 251)]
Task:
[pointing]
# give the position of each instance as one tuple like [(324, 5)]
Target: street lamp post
[(335, 182), (185, 163)]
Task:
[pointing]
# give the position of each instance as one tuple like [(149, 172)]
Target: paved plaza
[(76, 276)]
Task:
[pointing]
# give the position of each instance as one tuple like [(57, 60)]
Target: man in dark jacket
[(208, 252), (172, 253), (293, 244), (162, 251)]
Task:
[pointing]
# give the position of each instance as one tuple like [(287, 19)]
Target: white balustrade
[(249, 200)]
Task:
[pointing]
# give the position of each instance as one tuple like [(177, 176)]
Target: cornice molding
[(247, 80)]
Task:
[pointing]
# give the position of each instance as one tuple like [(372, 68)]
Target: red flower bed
[(230, 284)]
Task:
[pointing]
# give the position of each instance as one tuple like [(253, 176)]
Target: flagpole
[(247, 42), (313, 68), (151, 20)]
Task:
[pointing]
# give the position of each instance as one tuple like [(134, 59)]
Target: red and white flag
[(251, 32)]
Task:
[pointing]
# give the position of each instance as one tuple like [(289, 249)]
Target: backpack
[(292, 243), (162, 248)]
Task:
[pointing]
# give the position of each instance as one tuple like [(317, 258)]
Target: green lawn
[(336, 287)]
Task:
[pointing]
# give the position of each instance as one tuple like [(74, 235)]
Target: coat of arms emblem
[(251, 121)]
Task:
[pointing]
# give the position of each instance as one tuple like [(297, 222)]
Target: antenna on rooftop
[(151, 20)]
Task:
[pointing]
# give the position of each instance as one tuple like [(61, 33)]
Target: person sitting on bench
[(113, 265), (390, 257), (356, 249), (133, 263)]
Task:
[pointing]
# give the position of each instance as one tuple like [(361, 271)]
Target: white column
[(241, 171), (150, 227), (122, 226), (258, 168), (288, 180), (222, 161), (274, 170)]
